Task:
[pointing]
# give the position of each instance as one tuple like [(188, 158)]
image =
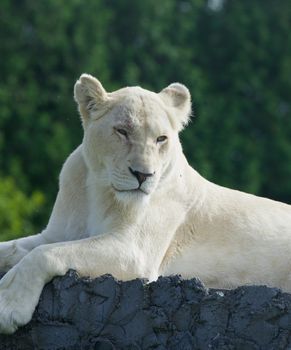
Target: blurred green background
[(234, 55)]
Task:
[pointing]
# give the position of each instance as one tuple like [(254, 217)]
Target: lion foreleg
[(21, 287)]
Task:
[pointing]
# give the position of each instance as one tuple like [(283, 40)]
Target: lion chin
[(132, 197), (131, 193), (129, 204)]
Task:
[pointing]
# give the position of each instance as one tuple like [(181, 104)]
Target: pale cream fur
[(176, 222)]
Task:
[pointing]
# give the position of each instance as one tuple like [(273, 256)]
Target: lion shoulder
[(74, 170)]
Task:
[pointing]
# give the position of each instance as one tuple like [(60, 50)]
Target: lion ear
[(89, 94), (178, 97)]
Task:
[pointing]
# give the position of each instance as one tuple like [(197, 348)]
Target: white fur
[(177, 222)]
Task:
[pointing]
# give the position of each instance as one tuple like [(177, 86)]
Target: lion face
[(130, 135)]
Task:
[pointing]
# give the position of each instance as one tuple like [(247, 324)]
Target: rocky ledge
[(80, 313)]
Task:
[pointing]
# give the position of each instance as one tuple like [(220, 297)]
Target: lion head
[(131, 135)]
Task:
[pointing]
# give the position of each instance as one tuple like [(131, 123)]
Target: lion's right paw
[(12, 315), (18, 298)]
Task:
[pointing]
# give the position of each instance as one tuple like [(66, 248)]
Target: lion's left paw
[(12, 314)]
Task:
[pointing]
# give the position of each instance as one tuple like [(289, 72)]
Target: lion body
[(129, 204)]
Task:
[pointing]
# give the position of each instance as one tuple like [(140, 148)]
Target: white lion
[(129, 204)]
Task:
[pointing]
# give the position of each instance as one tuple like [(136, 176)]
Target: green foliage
[(17, 210), (235, 60), (246, 59)]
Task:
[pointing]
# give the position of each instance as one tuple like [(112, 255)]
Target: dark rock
[(171, 313)]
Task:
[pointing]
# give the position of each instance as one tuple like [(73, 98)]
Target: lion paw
[(12, 315), (16, 302), (7, 250)]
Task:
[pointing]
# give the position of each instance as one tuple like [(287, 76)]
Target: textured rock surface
[(171, 313)]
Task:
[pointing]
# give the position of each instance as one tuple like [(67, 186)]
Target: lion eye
[(122, 132), (161, 139)]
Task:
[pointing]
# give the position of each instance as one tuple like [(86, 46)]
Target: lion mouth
[(134, 190)]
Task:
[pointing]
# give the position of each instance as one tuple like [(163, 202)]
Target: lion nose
[(141, 177)]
